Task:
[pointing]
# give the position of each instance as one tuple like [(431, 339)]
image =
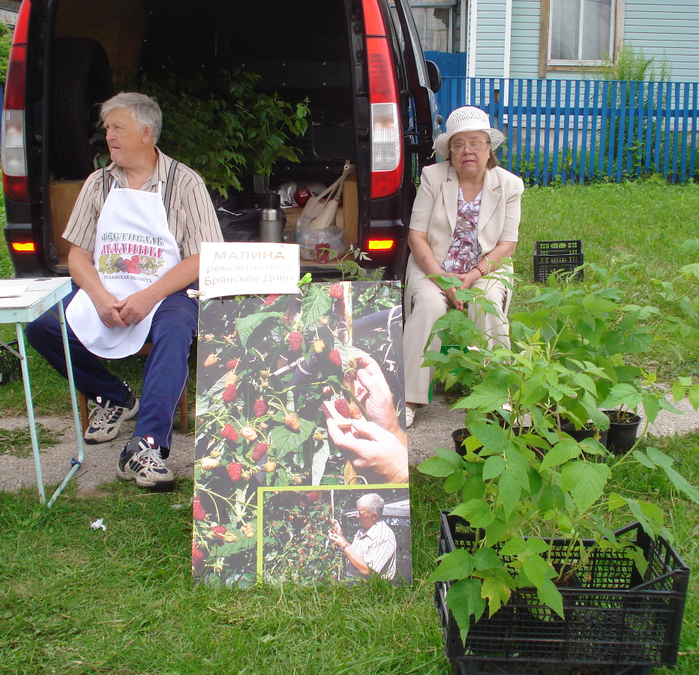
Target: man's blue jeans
[(164, 376)]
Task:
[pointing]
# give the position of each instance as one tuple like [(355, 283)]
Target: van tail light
[(381, 244), (24, 246), (386, 136), (14, 149)]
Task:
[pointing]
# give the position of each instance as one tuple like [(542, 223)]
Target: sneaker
[(409, 417), (140, 460), (105, 419)]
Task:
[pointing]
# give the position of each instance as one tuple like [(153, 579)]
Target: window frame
[(546, 65)]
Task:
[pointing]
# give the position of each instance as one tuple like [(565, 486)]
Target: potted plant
[(529, 548)]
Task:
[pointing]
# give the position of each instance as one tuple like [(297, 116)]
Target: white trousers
[(429, 303)]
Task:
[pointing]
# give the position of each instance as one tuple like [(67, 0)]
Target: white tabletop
[(38, 296)]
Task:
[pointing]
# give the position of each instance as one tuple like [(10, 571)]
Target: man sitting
[(136, 231)]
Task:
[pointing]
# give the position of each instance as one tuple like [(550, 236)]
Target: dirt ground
[(432, 429)]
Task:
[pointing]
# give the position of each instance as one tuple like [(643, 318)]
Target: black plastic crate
[(614, 617), (10, 368), (557, 256)]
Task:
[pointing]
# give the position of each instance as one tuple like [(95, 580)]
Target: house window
[(434, 20), (434, 27), (581, 32)]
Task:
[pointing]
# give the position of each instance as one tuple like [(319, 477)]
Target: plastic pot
[(588, 431), (623, 428)]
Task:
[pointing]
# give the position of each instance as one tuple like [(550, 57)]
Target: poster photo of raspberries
[(293, 391)]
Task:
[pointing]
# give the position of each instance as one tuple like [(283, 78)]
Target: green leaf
[(487, 559), (643, 459), (536, 545), (585, 482), (496, 591), (285, 441), (454, 482), (639, 558), (514, 547), (450, 456), (510, 491), (658, 457), (464, 600), (550, 595), (615, 501), (316, 303), (245, 325), (694, 396), (682, 484), (560, 453), (537, 569), (476, 512), (436, 466), (493, 467), (457, 564)]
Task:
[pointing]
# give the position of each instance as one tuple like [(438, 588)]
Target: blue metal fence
[(577, 130)]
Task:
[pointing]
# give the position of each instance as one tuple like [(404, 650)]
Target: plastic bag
[(322, 245)]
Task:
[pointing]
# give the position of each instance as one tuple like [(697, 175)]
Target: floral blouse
[(464, 251)]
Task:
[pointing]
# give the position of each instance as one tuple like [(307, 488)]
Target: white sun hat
[(463, 119)]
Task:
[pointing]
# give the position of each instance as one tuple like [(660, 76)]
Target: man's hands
[(134, 308), (377, 454), (336, 537), (121, 313)]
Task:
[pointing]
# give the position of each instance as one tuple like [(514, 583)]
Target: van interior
[(301, 50)]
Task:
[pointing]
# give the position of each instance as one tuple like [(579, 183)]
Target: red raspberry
[(335, 357), (336, 291), (197, 554), (295, 340), (342, 407), (260, 407), (234, 471), (198, 510), (229, 393), (292, 421), (259, 451), (233, 363), (219, 530), (229, 433), (270, 299)]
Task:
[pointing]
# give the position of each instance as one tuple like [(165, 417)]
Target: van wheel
[(80, 80)]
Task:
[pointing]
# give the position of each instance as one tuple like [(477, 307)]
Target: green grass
[(77, 601)]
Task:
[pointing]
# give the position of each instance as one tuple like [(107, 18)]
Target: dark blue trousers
[(165, 373)]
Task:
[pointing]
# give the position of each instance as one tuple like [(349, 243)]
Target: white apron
[(133, 249)]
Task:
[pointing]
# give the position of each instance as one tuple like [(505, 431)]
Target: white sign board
[(248, 268)]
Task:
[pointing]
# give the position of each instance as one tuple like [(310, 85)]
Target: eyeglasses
[(458, 148)]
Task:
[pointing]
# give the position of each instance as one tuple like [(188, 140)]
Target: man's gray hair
[(372, 502), (143, 109)]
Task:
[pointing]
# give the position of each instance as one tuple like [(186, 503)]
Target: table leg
[(30, 411), (74, 402)]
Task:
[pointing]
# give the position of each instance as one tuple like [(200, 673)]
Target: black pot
[(621, 435), (588, 431), (459, 436)]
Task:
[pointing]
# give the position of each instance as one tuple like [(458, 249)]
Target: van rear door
[(425, 106)]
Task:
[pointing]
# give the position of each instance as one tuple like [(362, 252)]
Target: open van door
[(424, 83)]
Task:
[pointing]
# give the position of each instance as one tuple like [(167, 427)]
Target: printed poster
[(301, 463)]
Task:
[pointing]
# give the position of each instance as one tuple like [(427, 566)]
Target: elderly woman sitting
[(465, 221)]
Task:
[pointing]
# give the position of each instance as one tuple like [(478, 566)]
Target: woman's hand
[(467, 280)]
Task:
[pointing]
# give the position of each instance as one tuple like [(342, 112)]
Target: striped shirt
[(377, 548), (192, 218)]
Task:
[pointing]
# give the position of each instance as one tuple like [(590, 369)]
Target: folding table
[(22, 301)]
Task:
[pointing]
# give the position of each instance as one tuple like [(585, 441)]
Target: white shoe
[(409, 417)]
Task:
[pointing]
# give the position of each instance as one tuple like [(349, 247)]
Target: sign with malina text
[(242, 268)]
